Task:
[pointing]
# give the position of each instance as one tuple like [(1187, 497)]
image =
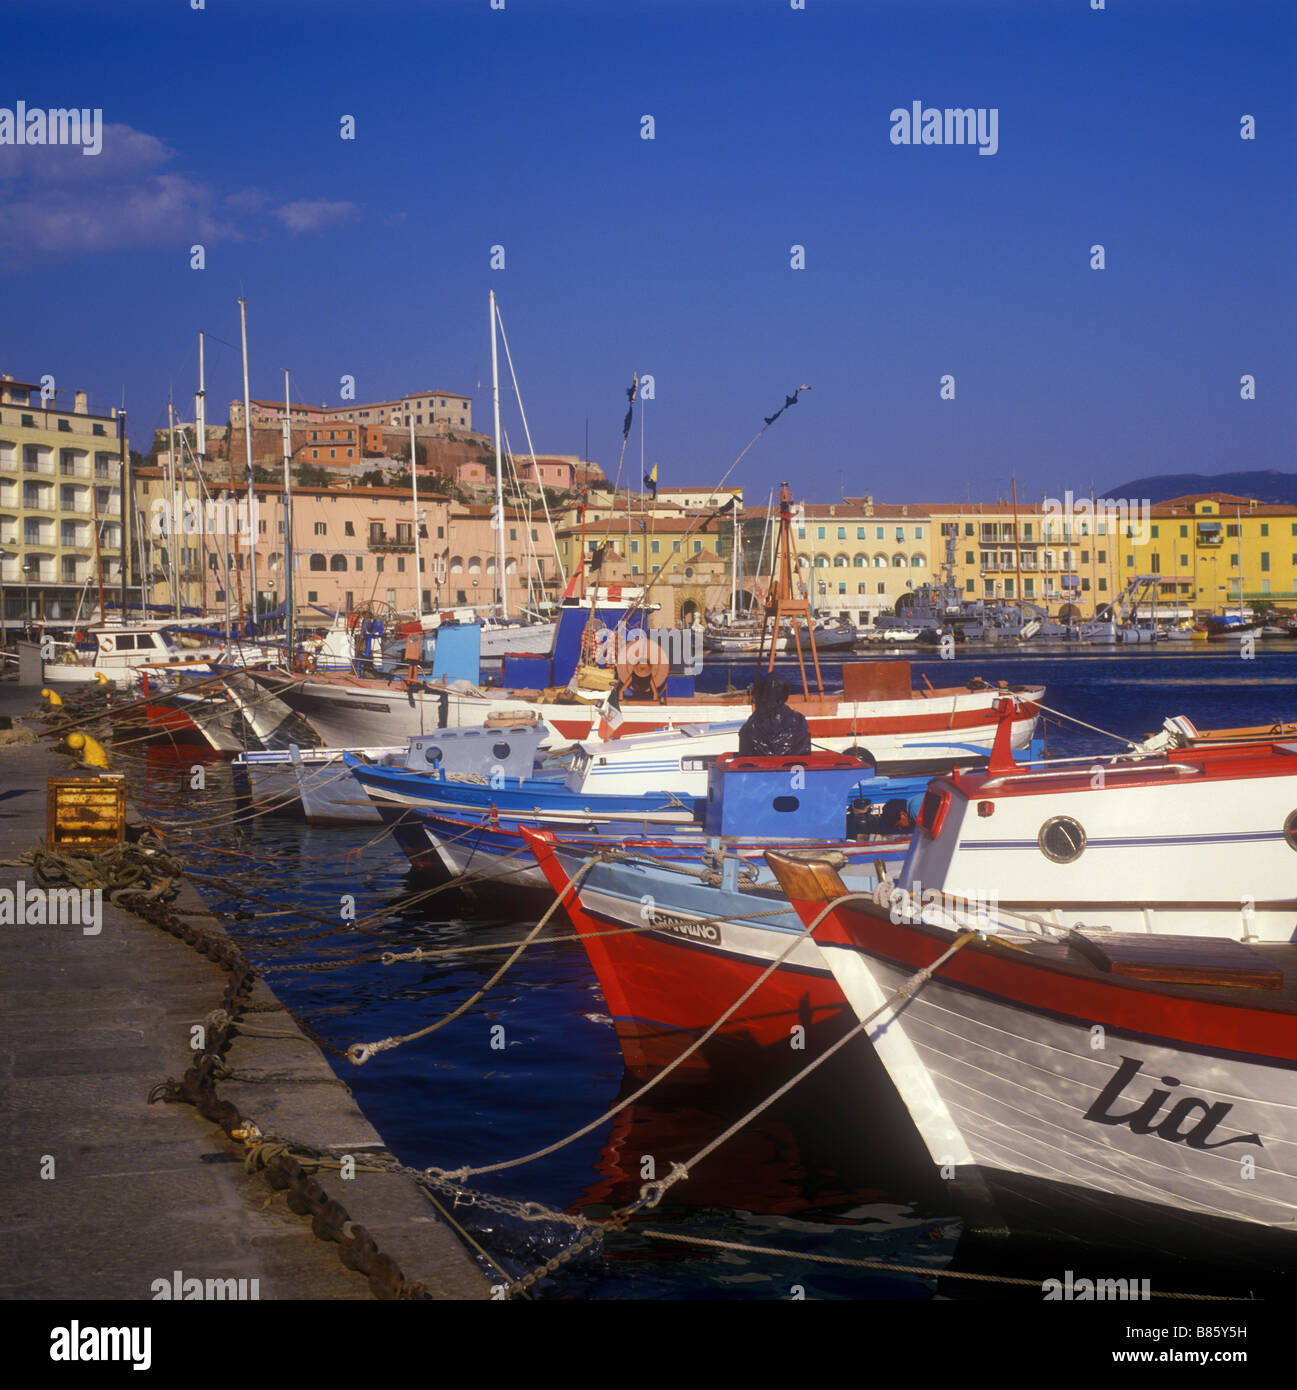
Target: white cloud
[(309, 215), (125, 152), (57, 200)]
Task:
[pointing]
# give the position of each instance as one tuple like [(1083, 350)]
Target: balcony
[(384, 544)]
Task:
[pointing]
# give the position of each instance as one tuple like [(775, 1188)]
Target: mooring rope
[(458, 1174), (360, 1053)]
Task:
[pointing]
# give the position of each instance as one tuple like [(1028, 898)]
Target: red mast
[(780, 602)]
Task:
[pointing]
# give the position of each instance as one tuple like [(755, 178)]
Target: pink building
[(474, 471), (352, 547), (471, 563), (550, 470)]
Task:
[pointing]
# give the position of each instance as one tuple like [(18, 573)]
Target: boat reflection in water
[(807, 1176)]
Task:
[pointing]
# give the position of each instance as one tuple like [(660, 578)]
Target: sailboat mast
[(200, 406), (418, 552), (247, 438), (200, 465), (734, 568), (1017, 547), (288, 526), (177, 510), (99, 560), (499, 476), (126, 507), (1238, 535)]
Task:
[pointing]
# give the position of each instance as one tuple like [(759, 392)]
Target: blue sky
[(522, 128)]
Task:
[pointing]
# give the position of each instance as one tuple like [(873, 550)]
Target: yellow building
[(1068, 566), (59, 470), (647, 543), (1216, 551), (861, 556)]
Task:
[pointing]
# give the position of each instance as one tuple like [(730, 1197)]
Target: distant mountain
[(1265, 485)]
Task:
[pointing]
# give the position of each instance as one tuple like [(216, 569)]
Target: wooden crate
[(85, 812)]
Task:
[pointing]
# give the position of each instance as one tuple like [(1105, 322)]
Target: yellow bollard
[(94, 755), (54, 698), (101, 678)]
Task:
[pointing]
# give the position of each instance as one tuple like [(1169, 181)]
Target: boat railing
[(1183, 769), (955, 912)]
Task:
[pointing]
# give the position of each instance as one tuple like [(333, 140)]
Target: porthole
[(1061, 839), (1290, 830), (432, 754), (500, 750)]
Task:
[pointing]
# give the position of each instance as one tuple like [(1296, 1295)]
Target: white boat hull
[(904, 734)]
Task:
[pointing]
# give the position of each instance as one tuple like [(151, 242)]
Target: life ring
[(107, 643)]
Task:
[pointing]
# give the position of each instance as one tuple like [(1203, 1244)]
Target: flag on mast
[(651, 481)]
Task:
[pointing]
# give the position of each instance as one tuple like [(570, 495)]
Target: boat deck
[(1272, 966)]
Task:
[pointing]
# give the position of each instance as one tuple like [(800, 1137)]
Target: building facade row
[(352, 548), (428, 408), (60, 504)]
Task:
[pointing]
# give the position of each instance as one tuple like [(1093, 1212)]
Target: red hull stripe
[(1197, 1024), (932, 721)]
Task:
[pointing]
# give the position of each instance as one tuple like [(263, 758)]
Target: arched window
[(916, 562), (337, 563), (898, 562), (457, 564), (880, 562), (840, 562), (318, 562), (861, 561), (275, 560), (821, 562), (475, 564)]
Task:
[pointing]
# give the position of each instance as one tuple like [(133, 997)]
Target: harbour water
[(537, 1059)]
